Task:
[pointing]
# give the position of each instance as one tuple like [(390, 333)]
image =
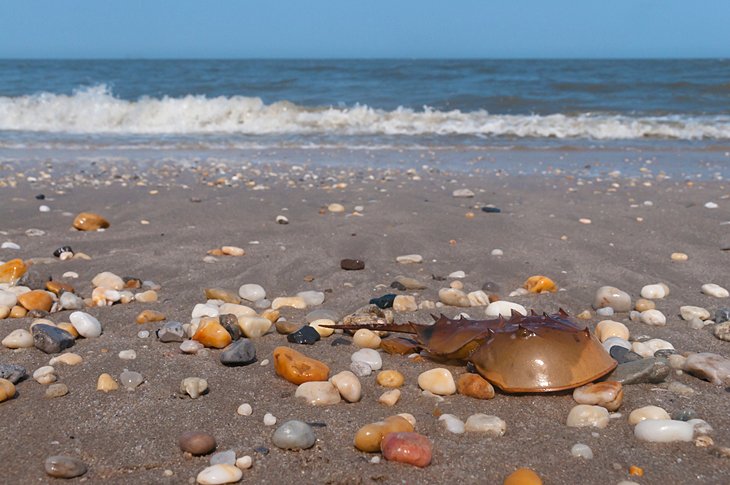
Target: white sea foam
[(96, 111)]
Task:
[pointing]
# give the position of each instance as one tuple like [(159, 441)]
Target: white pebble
[(252, 292), (85, 324), (457, 274), (648, 348), (370, 357), (504, 308), (452, 423), (439, 381), (45, 375), (245, 409), (654, 292), (205, 310), (245, 462), (653, 317), (44, 208), (711, 289), (587, 415), (9, 245), (497, 252), (647, 413), (579, 450), (491, 426), (143, 333), (128, 354), (664, 431), (269, 419), (219, 474), (711, 205), (609, 328), (409, 259), (312, 298)]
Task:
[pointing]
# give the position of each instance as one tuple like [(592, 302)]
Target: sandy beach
[(165, 218)]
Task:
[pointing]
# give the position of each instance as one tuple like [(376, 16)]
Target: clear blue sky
[(363, 28)]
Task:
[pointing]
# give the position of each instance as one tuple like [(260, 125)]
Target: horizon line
[(374, 58)]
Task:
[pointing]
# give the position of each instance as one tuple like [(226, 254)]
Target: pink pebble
[(412, 448)]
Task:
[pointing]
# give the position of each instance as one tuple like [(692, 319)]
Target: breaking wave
[(96, 110)]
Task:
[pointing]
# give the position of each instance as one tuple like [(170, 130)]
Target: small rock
[(609, 328), (131, 380), (298, 368), (643, 305), (368, 437), (717, 291), (722, 331), (664, 431), (61, 466), (490, 426), (452, 423), (722, 315), (679, 257), (361, 369), (56, 390), (647, 412), (348, 385), (579, 450), (409, 259), (407, 447), (655, 291), (651, 370), (540, 284), (51, 340), (294, 435), (523, 476), (128, 354), (587, 415), (439, 381), (322, 327), (650, 347), (390, 398), (36, 300), (13, 372), (245, 462), (254, 327), (171, 332), (352, 264), (491, 210), (305, 335), (269, 420), (244, 409), (689, 312), (390, 378), (409, 283), (85, 324), (219, 474), (193, 386), (474, 385), (711, 367), (18, 339), (453, 297), (282, 219), (385, 301), (106, 383), (607, 394), (227, 457), (321, 393), (606, 311), (197, 443), (240, 352), (608, 296), (288, 301), (210, 333), (366, 339), (504, 308), (462, 193), (252, 292), (369, 356), (653, 317)]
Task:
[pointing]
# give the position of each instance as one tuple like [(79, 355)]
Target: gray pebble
[(131, 380), (361, 369), (171, 332), (60, 466), (606, 311), (230, 323), (294, 435), (320, 314), (13, 372), (684, 414), (227, 457), (56, 390), (652, 370), (623, 355), (51, 340), (240, 352), (722, 315)]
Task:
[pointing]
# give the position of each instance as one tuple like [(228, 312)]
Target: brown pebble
[(643, 305), (223, 295), (69, 328), (352, 264), (297, 368), (58, 287), (390, 378), (17, 312), (197, 443), (368, 437), (285, 327), (147, 316), (7, 390), (212, 334), (36, 300), (88, 221), (474, 385), (309, 278)]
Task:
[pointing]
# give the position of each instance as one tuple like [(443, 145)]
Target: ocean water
[(150, 106)]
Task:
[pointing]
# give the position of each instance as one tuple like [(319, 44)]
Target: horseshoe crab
[(535, 353)]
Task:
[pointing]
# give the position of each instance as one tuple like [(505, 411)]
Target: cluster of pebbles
[(227, 324)]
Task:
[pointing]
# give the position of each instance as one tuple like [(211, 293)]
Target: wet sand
[(131, 437)]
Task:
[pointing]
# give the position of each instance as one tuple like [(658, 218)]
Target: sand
[(131, 437)]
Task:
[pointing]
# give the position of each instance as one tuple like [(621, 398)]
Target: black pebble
[(305, 335), (62, 249), (491, 210), (438, 278), (352, 264), (385, 301), (490, 287), (230, 323), (623, 355), (398, 286), (40, 196), (261, 449)]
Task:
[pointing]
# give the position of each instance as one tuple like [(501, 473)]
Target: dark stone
[(398, 286), (305, 335), (51, 340), (352, 264), (722, 315), (40, 197), (261, 449), (60, 466), (340, 341), (684, 414), (317, 424), (34, 280), (171, 332), (240, 352), (471, 368), (63, 249), (490, 287), (230, 323), (438, 278), (197, 443), (645, 371), (664, 353), (385, 301), (13, 372), (491, 210), (623, 355)]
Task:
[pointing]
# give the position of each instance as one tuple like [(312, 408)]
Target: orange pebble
[(636, 471), (540, 284), (523, 476), (11, 271)]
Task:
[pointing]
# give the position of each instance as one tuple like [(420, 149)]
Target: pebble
[(679, 257), (298, 368), (352, 264), (722, 331), (540, 284), (609, 328), (68, 358), (452, 424), (653, 317), (579, 450), (45, 375), (321, 327), (244, 409), (7, 390), (201, 310), (651, 370), (210, 333), (230, 323), (318, 393), (491, 426), (128, 354), (8, 298), (245, 462), (51, 340), (171, 332), (664, 431), (711, 289), (197, 443), (320, 314), (368, 437), (69, 301), (474, 385), (240, 352), (282, 219), (407, 447), (269, 419), (306, 335), (366, 339), (462, 193), (289, 301), (612, 342), (607, 394), (369, 356), (89, 221), (252, 292), (711, 367), (650, 347), (61, 466), (722, 315), (609, 296), (439, 381), (689, 312), (523, 476), (587, 415), (647, 412), (504, 308), (12, 372), (390, 398), (254, 327), (193, 387), (390, 378), (227, 457), (409, 259), (9, 245), (18, 339), (108, 280), (36, 300), (361, 369), (655, 291), (148, 296), (106, 383), (294, 435), (453, 297), (606, 311), (404, 303), (711, 205), (312, 298), (232, 251), (56, 390), (131, 380), (348, 385), (643, 304), (336, 208), (12, 271), (85, 324), (410, 283), (218, 474), (478, 298)]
